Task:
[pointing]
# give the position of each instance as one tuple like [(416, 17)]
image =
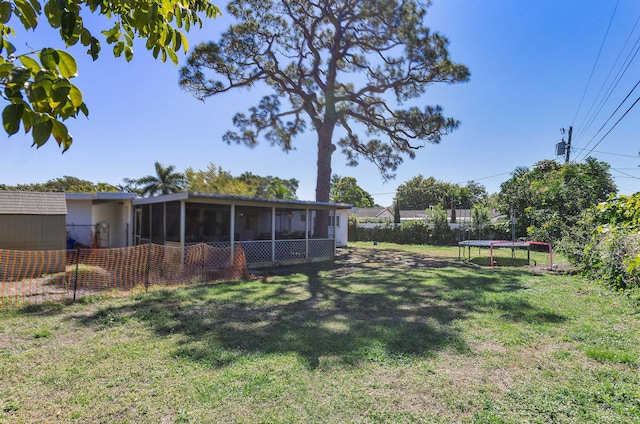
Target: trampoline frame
[(504, 243)]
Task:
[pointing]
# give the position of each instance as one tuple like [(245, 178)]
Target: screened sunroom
[(269, 230)]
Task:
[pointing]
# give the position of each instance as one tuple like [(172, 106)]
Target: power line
[(614, 125), (613, 113), (612, 87), (626, 174), (619, 75), (485, 178), (596, 62), (609, 153)]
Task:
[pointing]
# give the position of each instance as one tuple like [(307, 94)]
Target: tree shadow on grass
[(360, 308)]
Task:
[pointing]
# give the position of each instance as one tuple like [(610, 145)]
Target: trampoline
[(504, 243)]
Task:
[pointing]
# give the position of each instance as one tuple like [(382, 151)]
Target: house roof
[(100, 196), (413, 214), (370, 212), (32, 203), (240, 200)]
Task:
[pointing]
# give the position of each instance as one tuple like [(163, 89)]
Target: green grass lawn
[(387, 333)]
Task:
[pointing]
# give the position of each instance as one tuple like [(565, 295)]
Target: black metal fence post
[(203, 264), (75, 276), (147, 279)]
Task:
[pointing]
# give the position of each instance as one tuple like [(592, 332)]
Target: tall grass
[(384, 334)]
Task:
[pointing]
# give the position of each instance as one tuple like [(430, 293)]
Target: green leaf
[(27, 118), (49, 58), (5, 69), (94, 50), (85, 37), (36, 6), (68, 22), (19, 75), (173, 56), (67, 65), (128, 53), (75, 95), (118, 48), (5, 12), (83, 108), (61, 134), (27, 15), (73, 39), (30, 63), (6, 45), (66, 144), (11, 118), (60, 92), (53, 13), (66, 110), (42, 126), (185, 42)]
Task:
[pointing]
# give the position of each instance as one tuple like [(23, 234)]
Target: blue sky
[(530, 64)]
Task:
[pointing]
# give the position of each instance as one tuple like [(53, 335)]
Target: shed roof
[(32, 203)]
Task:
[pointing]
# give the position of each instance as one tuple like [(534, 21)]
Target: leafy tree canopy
[(549, 199), (270, 187), (347, 190), (331, 65), (64, 184), (215, 180), (420, 193), (37, 83)]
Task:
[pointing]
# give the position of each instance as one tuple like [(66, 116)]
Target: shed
[(32, 221)]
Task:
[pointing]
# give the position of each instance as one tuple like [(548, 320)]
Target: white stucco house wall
[(110, 214), (341, 227)]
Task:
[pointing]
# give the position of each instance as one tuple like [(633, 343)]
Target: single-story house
[(32, 220), (269, 230)]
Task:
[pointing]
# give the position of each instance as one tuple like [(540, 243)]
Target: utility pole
[(568, 152)]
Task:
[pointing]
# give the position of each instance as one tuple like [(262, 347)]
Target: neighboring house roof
[(32, 203), (371, 212), (461, 214), (413, 214)]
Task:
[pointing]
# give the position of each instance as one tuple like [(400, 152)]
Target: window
[(332, 218)]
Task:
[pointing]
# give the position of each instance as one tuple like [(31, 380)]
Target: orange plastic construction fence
[(29, 277)]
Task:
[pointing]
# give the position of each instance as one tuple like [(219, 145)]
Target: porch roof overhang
[(224, 199), (100, 197)]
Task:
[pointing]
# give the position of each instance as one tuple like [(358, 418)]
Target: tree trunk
[(323, 179)]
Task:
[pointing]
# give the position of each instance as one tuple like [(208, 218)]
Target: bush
[(412, 232), (613, 254)]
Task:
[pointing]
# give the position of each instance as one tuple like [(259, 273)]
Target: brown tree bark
[(323, 179)]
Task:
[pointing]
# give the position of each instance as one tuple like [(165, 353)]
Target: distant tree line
[(213, 180)]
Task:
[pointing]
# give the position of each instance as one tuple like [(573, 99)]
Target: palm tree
[(481, 218), (520, 171), (277, 190), (164, 182)]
